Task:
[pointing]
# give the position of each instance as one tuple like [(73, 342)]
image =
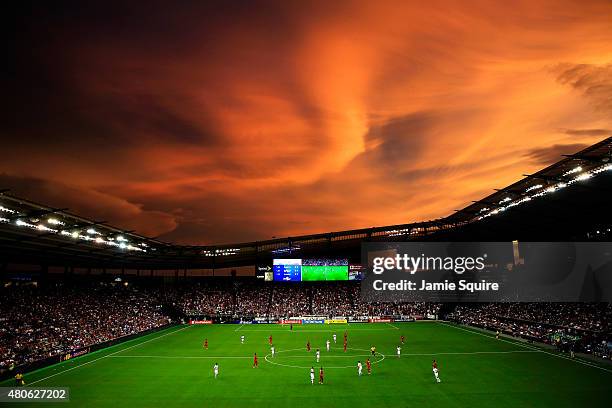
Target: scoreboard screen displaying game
[(324, 272), (296, 270)]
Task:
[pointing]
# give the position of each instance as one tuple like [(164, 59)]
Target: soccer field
[(170, 368)]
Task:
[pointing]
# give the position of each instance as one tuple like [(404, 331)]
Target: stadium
[(94, 303), (504, 301)]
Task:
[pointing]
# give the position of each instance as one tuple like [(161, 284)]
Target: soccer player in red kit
[(369, 366), (434, 368), (308, 346), (402, 339), (345, 335), (270, 340), (345, 345), (321, 375), (206, 344), (255, 363)]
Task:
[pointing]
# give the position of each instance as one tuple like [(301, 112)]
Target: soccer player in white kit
[(327, 344), (242, 339), (273, 351), (399, 351), (434, 368), (359, 368), (216, 369), (334, 338), (312, 375)]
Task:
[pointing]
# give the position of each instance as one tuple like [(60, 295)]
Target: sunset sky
[(227, 121)]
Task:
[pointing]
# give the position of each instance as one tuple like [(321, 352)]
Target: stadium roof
[(574, 191), (573, 168)]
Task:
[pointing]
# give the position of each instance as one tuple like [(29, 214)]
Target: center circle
[(269, 359)]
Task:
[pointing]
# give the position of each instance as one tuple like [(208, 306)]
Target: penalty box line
[(107, 355), (516, 343)]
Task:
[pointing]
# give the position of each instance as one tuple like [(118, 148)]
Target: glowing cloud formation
[(236, 121)]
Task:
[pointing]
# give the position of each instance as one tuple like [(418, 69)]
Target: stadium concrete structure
[(569, 200)]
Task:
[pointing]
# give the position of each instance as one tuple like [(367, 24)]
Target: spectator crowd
[(588, 325), (37, 323), (275, 300), (40, 322)]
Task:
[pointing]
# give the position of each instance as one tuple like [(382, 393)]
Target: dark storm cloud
[(91, 204), (401, 139), (594, 81), (552, 154), (588, 132), (149, 116)]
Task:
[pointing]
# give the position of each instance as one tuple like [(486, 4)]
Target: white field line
[(395, 327), (531, 348), (185, 357), (105, 356), (239, 328), (272, 360)]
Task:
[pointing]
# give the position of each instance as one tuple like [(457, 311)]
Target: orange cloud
[(240, 123)]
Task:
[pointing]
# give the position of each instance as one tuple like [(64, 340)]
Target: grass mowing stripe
[(460, 353), (107, 355), (450, 353), (530, 347), (335, 328)]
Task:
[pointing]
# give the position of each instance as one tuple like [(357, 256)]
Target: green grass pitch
[(171, 369)]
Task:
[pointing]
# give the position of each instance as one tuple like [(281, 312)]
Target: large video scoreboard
[(304, 270), (288, 270)]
